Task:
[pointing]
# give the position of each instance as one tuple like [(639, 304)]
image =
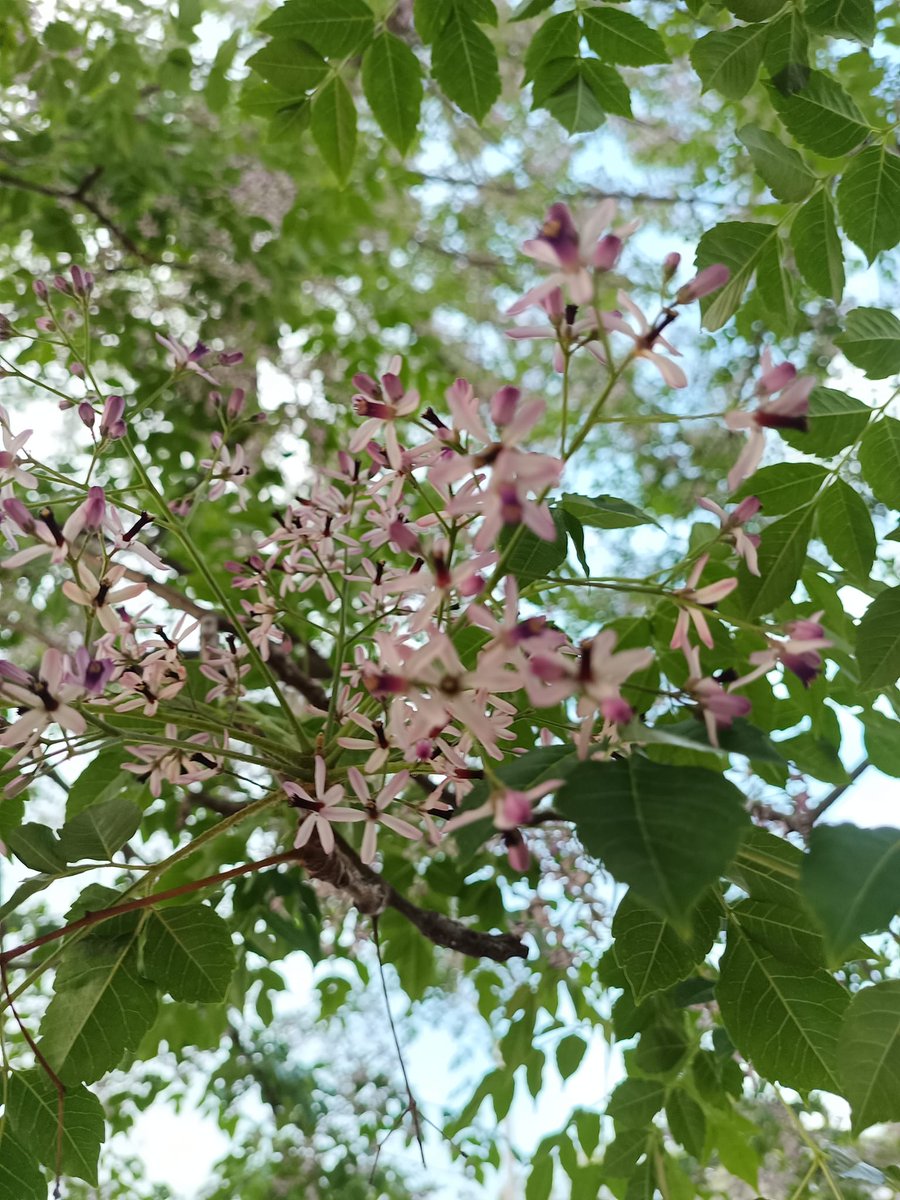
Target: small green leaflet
[(879, 459), (558, 37), (619, 37), (540, 1178), (187, 951), (687, 1122), (335, 29), (869, 1054), (846, 528), (392, 82), (32, 1107), (289, 66), (661, 1049), (740, 246), (605, 512), (634, 1104), (783, 1016), (100, 831), (821, 116), (667, 831), (569, 1053), (878, 642), (20, 1176), (782, 169), (817, 246), (868, 199), (835, 421), (650, 951), (574, 105), (851, 882), (729, 61), (333, 126), (872, 341), (854, 19), (37, 847), (464, 62), (101, 1008)]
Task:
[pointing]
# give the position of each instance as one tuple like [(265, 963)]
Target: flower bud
[(40, 289), (607, 251), (111, 422), (87, 414), (708, 280), (236, 403), (670, 265)]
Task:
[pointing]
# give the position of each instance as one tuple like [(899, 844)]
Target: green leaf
[(851, 882), (869, 1054), (333, 124), (835, 421), (787, 51), (464, 62), (740, 246), (774, 281), (781, 555), (392, 82), (783, 487), (430, 17), (33, 1107), (854, 19), (187, 951), (882, 745), (753, 10), (289, 122), (879, 460), (732, 1141), (728, 61), (550, 78), (652, 953), (605, 512), (532, 9), (846, 528), (37, 847), (661, 1049), (783, 170), (821, 116), (816, 756), (539, 1184), (687, 1122), (608, 87), (102, 779), (20, 1176), (871, 341), (531, 557), (101, 1008), (634, 1104), (783, 1016), (558, 37), (666, 831), (621, 38), (817, 246), (788, 932), (575, 105), (289, 66), (336, 29), (768, 868), (569, 1053), (575, 530), (878, 642), (868, 198), (101, 830)]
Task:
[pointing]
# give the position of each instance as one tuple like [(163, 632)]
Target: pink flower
[(788, 411), (602, 673), (11, 469), (799, 652), (709, 280), (321, 809), (646, 338), (101, 595), (375, 814), (176, 764), (507, 807), (382, 403), (719, 707), (690, 597), (45, 701), (744, 543)]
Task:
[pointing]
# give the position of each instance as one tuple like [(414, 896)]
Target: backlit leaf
[(821, 116), (817, 246), (32, 1107), (868, 198), (878, 641), (869, 1054)]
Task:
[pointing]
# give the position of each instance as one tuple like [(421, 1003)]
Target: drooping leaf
[(782, 168), (37, 847), (608, 87), (854, 19), (290, 66), (775, 284), (652, 953), (851, 882), (101, 830), (20, 1176), (335, 29), (687, 1122), (392, 81), (869, 1054), (740, 246), (846, 528), (575, 104), (666, 831), (879, 458), (187, 951), (619, 37), (605, 512), (835, 421), (821, 115), (728, 61), (868, 198), (32, 1107), (878, 642), (464, 62), (781, 555), (101, 1008), (817, 246), (783, 1016), (333, 123)]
